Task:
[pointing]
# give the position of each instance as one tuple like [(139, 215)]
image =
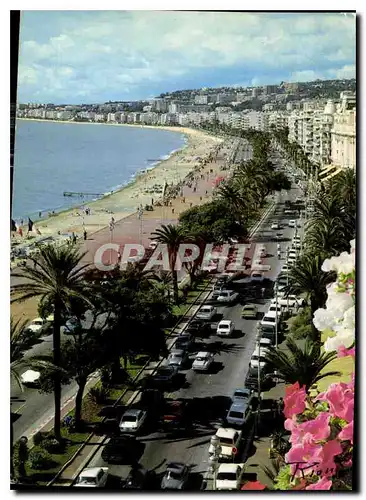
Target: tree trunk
[(315, 334), (56, 361), (81, 381), (11, 446), (175, 286)]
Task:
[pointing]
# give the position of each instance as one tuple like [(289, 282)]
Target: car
[(256, 276), (291, 260), (263, 343), (121, 450), (38, 324), (229, 477), (255, 359), (175, 477), (132, 420), (296, 238), (164, 375), (138, 478), (282, 279), (223, 280), (70, 326), (296, 245), (174, 413), (153, 244), (238, 413), (275, 225), (184, 341), (207, 312), (292, 253), (230, 441), (227, 296), (249, 311), (92, 477), (153, 401), (202, 361), (267, 331), (273, 308), (199, 328), (285, 268), (291, 300), (241, 395), (225, 327), (251, 379), (178, 357), (269, 319), (292, 223), (288, 211)]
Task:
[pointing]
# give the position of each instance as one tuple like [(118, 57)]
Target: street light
[(276, 323), (214, 458), (287, 257)]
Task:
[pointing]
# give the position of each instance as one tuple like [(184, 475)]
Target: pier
[(73, 193)]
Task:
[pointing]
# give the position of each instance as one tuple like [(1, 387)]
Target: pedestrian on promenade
[(85, 234), (263, 291), (278, 254), (172, 210), (206, 191), (190, 205), (200, 198), (194, 189)]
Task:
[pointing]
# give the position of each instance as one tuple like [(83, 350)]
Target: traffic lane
[(209, 392)]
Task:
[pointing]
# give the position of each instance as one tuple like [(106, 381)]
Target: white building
[(201, 99), (343, 139)]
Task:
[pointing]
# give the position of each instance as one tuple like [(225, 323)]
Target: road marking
[(20, 407)]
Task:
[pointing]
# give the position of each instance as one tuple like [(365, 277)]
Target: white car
[(293, 301), (132, 420), (38, 323), (229, 477), (202, 361), (296, 245), (296, 238), (292, 223), (263, 342), (225, 328), (275, 309), (292, 253), (227, 296), (230, 440), (94, 477), (206, 313), (255, 360), (153, 245), (291, 260), (275, 225), (285, 269), (269, 319)]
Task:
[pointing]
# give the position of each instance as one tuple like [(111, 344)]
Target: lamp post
[(111, 228), (214, 458), (259, 336)]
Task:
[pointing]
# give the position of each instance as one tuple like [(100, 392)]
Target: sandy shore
[(127, 200)]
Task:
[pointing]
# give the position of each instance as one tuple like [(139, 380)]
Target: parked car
[(203, 361), (251, 380), (277, 309), (292, 223), (267, 331), (39, 324), (227, 296), (207, 312), (285, 268), (238, 413), (249, 311), (225, 327), (255, 359), (175, 477), (178, 357), (291, 300), (270, 319), (241, 395), (184, 341), (264, 342), (93, 477), (230, 441), (275, 225), (229, 477), (199, 328), (120, 450), (132, 420), (153, 401), (164, 376)]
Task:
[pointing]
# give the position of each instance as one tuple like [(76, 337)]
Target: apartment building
[(343, 132)]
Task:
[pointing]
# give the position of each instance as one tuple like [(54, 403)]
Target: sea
[(52, 158)]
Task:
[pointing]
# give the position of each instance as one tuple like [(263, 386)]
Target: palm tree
[(55, 276), (308, 278), (171, 236), (301, 365)]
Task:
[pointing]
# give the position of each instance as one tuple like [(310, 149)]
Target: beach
[(145, 190)]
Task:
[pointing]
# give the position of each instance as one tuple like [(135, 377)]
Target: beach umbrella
[(253, 485), (30, 376), (218, 180)]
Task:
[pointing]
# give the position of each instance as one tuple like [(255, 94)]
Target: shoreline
[(125, 201)]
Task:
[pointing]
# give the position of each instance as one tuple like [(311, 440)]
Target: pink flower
[(294, 400), (327, 466), (303, 458), (343, 352), (313, 430), (346, 433), (322, 484), (340, 397)]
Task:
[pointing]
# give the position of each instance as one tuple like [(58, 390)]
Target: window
[(100, 475)]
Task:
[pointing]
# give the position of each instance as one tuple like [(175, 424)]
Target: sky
[(94, 56)]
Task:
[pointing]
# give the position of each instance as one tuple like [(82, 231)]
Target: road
[(212, 392)]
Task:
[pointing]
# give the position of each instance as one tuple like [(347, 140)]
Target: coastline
[(125, 201)]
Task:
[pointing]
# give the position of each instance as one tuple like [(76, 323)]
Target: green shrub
[(40, 459), (39, 437)]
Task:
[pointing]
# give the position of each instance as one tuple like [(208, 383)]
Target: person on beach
[(40, 214)]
